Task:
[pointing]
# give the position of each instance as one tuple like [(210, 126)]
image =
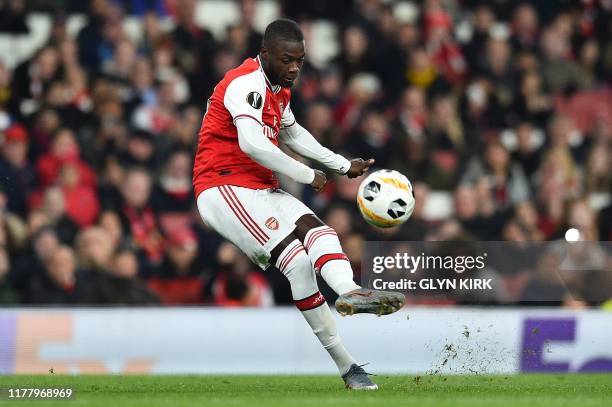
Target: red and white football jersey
[(244, 92)]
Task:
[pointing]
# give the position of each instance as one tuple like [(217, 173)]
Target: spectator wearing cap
[(180, 279), (16, 173)]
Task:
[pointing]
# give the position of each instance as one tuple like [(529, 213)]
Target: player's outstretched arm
[(302, 142), (298, 139), (254, 143)]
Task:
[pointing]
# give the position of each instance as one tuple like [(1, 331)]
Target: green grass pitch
[(150, 391)]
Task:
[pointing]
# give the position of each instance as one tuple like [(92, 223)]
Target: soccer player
[(247, 116)]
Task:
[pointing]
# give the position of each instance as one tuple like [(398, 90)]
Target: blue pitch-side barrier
[(278, 340)]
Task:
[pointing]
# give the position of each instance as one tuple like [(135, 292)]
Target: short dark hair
[(282, 29)]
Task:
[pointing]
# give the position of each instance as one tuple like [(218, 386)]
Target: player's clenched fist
[(359, 166), (319, 181)]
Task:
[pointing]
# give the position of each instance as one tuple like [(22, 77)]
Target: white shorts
[(255, 220)]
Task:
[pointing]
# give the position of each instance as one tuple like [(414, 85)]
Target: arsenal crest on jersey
[(255, 100), (272, 223)]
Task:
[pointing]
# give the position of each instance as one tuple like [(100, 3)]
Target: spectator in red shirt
[(82, 205), (139, 219), (64, 149), (441, 46), (180, 279)]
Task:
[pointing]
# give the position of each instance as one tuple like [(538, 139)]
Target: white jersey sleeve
[(257, 146), (302, 142), (245, 97)]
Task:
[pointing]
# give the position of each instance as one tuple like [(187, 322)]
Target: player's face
[(285, 60)]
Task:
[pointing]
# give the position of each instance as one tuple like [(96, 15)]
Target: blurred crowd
[(505, 105)]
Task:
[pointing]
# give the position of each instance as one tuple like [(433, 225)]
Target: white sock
[(329, 260), (323, 325), (296, 266)]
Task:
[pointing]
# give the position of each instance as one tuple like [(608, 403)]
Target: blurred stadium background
[(500, 112)]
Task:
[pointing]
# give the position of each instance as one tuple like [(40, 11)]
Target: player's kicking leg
[(291, 259), (325, 253), (262, 223)]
